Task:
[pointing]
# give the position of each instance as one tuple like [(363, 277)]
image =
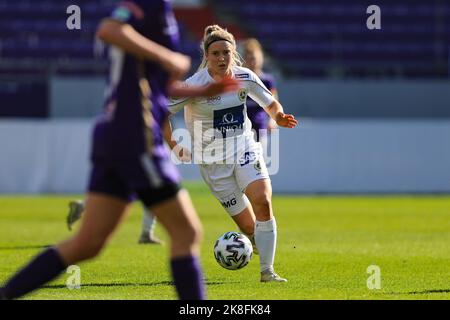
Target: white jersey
[(212, 122)]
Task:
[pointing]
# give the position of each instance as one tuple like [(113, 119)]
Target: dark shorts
[(150, 180)]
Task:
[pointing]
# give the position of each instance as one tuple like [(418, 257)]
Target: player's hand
[(176, 64), (183, 154), (286, 120), (227, 84)]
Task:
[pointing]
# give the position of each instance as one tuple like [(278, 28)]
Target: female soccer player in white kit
[(238, 178)]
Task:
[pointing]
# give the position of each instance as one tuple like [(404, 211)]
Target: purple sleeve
[(269, 82)]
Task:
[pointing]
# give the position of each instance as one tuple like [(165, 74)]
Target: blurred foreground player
[(77, 207), (128, 156)]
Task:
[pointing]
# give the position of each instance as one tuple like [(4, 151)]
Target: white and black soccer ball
[(233, 250)]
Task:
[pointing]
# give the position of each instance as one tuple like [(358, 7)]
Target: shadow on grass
[(26, 247), (424, 291), (430, 291), (126, 284)]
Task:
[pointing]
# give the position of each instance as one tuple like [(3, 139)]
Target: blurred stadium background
[(374, 105)]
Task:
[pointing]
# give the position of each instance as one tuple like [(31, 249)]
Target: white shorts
[(228, 182)]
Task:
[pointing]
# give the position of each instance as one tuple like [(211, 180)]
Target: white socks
[(148, 222), (266, 242)]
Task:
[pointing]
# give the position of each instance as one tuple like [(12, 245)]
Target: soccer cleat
[(76, 208), (145, 238), (270, 276)]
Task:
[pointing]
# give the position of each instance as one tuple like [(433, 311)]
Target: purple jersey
[(255, 113), (136, 102)]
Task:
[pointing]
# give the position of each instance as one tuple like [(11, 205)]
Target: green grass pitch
[(325, 245)]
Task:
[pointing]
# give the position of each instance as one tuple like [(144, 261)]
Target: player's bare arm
[(227, 84), (276, 112), (181, 153), (126, 37)]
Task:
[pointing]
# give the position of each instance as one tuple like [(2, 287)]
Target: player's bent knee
[(262, 208), (190, 236), (195, 235), (263, 201), (198, 233)]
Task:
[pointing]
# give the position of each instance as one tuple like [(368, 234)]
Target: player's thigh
[(259, 191), (102, 215), (250, 171), (178, 216), (106, 202), (172, 207), (254, 179)]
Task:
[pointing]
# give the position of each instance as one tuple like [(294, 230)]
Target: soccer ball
[(233, 250)]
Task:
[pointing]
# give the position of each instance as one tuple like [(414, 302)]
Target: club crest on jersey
[(242, 94), (242, 76), (257, 166)]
